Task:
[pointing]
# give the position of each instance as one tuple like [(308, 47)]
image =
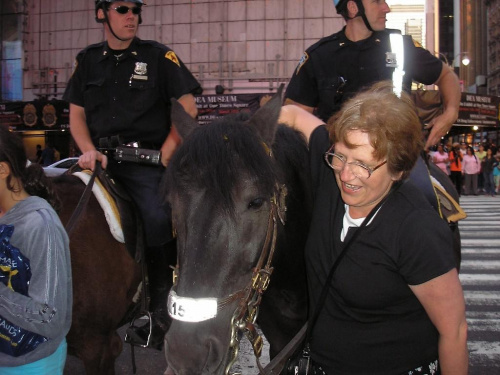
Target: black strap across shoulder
[(324, 291)]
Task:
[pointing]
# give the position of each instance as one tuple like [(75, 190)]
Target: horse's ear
[(265, 120), (182, 121)]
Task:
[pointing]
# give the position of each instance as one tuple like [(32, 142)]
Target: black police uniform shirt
[(335, 68), (129, 94)]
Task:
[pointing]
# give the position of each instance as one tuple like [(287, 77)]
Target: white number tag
[(191, 309)]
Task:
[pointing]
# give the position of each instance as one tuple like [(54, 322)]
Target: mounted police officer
[(121, 90), (340, 65)]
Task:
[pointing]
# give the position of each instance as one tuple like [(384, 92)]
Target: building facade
[(493, 59), (243, 46), (236, 46), (221, 41)]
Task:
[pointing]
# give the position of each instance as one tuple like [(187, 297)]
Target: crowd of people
[(474, 169)]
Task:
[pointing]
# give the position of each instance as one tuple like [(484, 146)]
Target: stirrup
[(132, 326)]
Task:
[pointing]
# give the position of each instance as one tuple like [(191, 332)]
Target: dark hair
[(391, 123), (32, 177)]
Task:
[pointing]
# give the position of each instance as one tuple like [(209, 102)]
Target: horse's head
[(222, 187)]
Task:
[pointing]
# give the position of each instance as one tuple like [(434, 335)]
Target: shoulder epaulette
[(152, 43), (166, 51), (327, 39), (91, 47)]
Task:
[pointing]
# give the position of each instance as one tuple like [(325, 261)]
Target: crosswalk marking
[(481, 264), (483, 279), (480, 278)]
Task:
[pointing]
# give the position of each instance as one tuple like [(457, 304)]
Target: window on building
[(11, 51)]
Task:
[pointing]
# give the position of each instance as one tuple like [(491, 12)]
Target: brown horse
[(105, 279)]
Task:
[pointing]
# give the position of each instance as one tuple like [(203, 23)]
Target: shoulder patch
[(302, 61), (75, 65), (417, 44), (173, 57)]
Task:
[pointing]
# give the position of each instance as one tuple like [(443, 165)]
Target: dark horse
[(225, 185), (222, 186), (105, 279)]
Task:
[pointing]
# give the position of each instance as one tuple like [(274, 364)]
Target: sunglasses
[(123, 9)]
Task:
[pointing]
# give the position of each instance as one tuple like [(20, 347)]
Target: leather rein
[(84, 199)]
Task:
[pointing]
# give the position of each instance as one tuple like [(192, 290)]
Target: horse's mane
[(216, 156)]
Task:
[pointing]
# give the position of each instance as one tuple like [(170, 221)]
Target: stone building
[(493, 59)]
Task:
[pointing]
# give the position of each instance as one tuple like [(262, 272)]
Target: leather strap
[(84, 199), (303, 336), (324, 291), (279, 361)]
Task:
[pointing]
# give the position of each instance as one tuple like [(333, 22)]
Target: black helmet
[(341, 6), (101, 3)]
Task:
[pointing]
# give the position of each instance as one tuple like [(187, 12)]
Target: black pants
[(142, 182), (456, 178)]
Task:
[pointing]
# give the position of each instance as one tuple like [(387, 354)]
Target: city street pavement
[(480, 277), (152, 362)]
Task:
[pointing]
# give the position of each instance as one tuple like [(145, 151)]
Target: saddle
[(449, 207)]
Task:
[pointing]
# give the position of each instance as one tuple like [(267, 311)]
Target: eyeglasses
[(338, 162), (123, 9)]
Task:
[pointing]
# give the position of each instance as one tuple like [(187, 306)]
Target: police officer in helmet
[(121, 90), (339, 65)]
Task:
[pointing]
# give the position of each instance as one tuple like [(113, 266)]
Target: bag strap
[(324, 291)]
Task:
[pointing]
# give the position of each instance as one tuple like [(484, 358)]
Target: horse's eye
[(256, 203)]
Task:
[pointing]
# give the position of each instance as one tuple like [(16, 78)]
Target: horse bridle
[(245, 315)]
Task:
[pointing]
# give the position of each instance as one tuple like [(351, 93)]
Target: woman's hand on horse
[(87, 159), (300, 118)]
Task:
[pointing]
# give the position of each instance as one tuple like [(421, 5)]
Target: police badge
[(391, 60), (141, 68), (140, 71)]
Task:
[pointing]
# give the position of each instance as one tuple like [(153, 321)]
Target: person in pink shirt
[(441, 159), (470, 169)]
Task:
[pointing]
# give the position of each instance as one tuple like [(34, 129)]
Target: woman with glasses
[(395, 304)]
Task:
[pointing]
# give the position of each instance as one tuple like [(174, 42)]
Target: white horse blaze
[(191, 309)]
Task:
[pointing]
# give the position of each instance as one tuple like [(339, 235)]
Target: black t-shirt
[(335, 68), (129, 95), (371, 322)]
